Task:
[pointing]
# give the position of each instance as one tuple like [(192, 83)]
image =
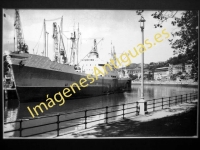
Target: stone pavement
[(177, 120)]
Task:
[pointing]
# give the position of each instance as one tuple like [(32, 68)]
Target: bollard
[(142, 107), (169, 101), (162, 102)]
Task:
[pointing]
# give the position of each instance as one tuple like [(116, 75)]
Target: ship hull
[(37, 76)]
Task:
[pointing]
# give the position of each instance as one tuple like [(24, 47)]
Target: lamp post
[(142, 102)]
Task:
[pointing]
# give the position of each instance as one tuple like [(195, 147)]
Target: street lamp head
[(142, 20)]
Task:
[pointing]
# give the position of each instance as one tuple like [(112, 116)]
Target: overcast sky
[(119, 26)]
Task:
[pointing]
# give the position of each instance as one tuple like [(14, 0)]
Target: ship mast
[(77, 44), (55, 37), (44, 52), (94, 49), (62, 49), (21, 46), (72, 57), (114, 56)]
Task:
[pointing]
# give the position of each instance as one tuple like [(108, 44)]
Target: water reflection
[(11, 108)]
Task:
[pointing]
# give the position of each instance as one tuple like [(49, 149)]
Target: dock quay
[(168, 83)]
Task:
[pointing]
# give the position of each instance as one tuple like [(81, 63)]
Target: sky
[(119, 27)]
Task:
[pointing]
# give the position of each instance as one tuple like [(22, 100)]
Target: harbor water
[(15, 110)]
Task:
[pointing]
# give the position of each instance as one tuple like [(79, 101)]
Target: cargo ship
[(37, 76)]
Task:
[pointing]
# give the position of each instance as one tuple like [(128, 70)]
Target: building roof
[(178, 65), (161, 69), (187, 64), (138, 69)]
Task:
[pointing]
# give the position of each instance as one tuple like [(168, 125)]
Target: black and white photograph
[(99, 73)]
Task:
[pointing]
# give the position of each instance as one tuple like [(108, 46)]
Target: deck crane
[(59, 48), (75, 36), (21, 46), (73, 48), (55, 37), (62, 51)]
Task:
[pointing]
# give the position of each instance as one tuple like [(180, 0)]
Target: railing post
[(85, 119), (106, 114), (190, 97), (176, 100), (181, 99), (137, 108), (123, 110), (162, 102), (20, 128), (153, 104), (169, 101), (186, 98), (58, 122)]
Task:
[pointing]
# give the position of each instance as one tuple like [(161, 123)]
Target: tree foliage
[(180, 59), (133, 77)]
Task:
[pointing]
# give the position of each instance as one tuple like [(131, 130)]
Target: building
[(161, 73), (145, 65), (177, 68), (134, 71), (137, 71), (188, 68)]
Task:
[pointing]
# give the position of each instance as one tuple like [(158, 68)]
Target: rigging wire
[(39, 39), (65, 36), (67, 52), (14, 38)]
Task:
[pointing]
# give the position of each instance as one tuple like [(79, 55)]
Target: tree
[(179, 73), (133, 77), (173, 77)]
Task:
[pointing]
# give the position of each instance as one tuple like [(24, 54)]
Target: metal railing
[(87, 114), (164, 102)]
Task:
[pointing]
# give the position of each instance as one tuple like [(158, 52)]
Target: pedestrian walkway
[(175, 121)]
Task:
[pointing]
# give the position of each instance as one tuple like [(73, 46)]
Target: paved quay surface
[(175, 121)]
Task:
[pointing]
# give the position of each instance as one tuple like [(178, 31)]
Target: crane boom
[(21, 46)]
